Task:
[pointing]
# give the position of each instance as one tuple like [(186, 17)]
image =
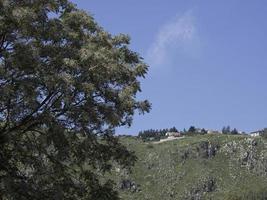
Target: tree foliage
[(65, 84), (227, 130), (234, 131), (192, 129)]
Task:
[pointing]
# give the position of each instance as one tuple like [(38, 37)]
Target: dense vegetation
[(211, 166), (65, 84)]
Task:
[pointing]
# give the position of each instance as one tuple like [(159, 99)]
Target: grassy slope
[(180, 170)]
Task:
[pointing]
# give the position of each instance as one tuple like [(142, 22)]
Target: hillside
[(199, 167)]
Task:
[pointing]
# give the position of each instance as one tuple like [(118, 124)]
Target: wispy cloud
[(177, 33)]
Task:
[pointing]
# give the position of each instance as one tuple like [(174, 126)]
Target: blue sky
[(208, 59)]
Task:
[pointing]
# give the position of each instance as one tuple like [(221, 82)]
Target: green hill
[(199, 167)]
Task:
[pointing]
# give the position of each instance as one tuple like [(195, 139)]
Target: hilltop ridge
[(212, 166)]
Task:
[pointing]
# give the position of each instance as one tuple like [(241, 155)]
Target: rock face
[(204, 186), (207, 149), (208, 167), (252, 159), (249, 153), (129, 185), (204, 149)]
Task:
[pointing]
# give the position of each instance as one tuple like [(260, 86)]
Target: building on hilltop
[(173, 134), (213, 132), (256, 133)]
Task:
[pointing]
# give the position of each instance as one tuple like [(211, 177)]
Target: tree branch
[(30, 116), (2, 40)]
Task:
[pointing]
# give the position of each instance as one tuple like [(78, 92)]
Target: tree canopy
[(192, 129), (65, 84)]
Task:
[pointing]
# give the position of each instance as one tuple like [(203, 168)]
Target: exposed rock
[(254, 143), (185, 155), (207, 149), (245, 157), (204, 186), (129, 185), (209, 185), (246, 153)]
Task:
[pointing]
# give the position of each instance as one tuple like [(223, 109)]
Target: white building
[(213, 132), (173, 134), (255, 133)]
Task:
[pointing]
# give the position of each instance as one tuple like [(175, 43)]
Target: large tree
[(65, 84)]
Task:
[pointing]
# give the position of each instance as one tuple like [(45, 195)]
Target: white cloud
[(177, 33)]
